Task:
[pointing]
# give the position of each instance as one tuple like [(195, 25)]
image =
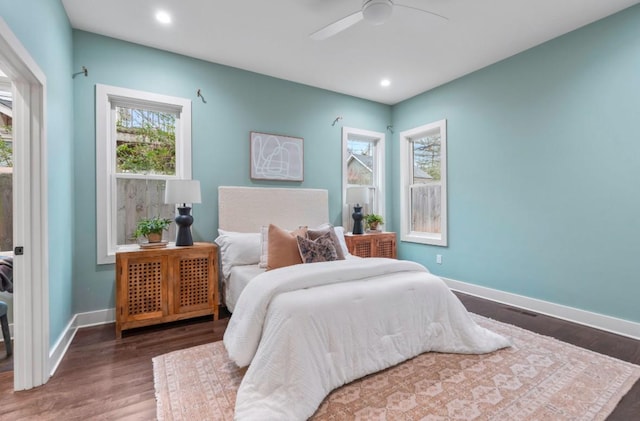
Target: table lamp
[(183, 192), (355, 197)]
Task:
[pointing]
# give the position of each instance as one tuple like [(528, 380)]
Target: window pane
[(426, 186), (137, 199), (426, 208), (426, 159), (6, 173), (360, 162), (146, 141), (6, 208)]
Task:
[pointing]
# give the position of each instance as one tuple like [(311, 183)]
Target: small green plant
[(6, 154), (153, 225), (372, 220)]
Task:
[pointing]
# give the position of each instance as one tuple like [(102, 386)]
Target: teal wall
[(237, 103), (44, 30), (543, 170)]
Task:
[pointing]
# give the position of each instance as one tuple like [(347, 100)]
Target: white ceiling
[(415, 50)]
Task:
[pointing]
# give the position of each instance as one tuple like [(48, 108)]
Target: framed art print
[(276, 157)]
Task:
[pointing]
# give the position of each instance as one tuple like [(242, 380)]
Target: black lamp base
[(184, 221), (357, 220)]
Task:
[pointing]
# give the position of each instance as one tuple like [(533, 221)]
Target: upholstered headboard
[(246, 209)]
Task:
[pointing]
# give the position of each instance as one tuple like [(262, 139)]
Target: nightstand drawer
[(372, 244)]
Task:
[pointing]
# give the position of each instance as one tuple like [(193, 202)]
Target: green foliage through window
[(146, 142), (6, 154)]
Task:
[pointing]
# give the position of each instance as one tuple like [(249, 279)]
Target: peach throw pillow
[(283, 247)]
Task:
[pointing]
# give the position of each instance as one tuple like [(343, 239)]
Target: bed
[(305, 329)]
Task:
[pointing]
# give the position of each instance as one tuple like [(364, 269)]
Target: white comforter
[(306, 329)]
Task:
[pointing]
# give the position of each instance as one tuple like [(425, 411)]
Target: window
[(6, 165), (142, 139), (423, 194), (363, 165)]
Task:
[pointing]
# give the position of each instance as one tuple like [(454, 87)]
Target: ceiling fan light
[(377, 12)]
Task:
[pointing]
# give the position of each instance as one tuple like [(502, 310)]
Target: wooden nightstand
[(165, 284), (372, 244)]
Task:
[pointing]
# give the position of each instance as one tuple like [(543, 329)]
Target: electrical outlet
[(439, 259)]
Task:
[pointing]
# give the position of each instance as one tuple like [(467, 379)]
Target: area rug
[(538, 378)]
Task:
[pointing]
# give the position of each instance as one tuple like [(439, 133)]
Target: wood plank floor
[(102, 378)]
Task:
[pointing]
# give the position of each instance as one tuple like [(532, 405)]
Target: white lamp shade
[(358, 195), (182, 191)]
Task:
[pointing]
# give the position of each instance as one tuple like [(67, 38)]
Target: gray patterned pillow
[(312, 234), (319, 250)]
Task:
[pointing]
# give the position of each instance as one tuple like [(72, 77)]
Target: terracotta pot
[(373, 226), (154, 237)]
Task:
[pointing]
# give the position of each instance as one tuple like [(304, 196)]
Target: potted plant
[(151, 228), (372, 220)]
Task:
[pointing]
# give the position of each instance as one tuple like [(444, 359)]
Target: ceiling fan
[(375, 12)]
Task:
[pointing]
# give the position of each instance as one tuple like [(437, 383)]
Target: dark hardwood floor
[(102, 378), (6, 363)]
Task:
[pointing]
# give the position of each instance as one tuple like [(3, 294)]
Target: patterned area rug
[(539, 378)]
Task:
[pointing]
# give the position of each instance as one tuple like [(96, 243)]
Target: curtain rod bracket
[(200, 95), (338, 118), (84, 72)]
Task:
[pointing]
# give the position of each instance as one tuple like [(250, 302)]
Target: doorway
[(6, 214), (30, 230)]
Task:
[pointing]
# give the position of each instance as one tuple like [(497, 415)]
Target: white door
[(31, 282)]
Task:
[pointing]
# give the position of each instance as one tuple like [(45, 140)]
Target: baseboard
[(599, 321), (94, 318), (79, 320)]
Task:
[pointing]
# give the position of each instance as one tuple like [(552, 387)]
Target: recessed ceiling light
[(385, 82), (163, 17)]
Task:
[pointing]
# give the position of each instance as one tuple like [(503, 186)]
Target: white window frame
[(406, 177), (107, 97), (378, 140)]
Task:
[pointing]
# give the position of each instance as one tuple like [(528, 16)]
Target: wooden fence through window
[(426, 205), (137, 199)]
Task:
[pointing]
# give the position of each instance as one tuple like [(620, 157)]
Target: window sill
[(424, 238)]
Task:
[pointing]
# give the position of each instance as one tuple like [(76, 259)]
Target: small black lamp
[(356, 196), (183, 192)]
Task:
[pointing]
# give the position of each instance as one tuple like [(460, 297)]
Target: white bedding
[(237, 281), (306, 329), (239, 278)]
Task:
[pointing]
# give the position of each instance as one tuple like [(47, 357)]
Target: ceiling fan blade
[(337, 26), (420, 10)]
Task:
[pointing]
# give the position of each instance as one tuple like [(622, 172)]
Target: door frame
[(30, 227)]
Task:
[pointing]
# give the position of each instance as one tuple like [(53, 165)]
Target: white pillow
[(340, 234), (237, 249), (264, 246)]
